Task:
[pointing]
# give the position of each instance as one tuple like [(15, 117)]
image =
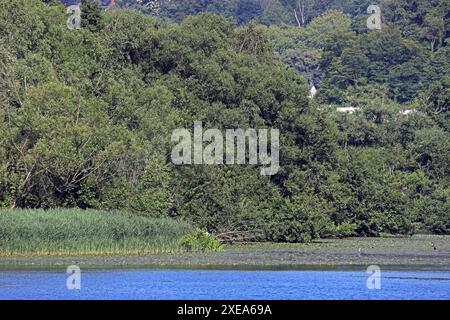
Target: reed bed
[(87, 232)]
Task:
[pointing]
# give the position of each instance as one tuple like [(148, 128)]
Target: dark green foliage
[(91, 15)]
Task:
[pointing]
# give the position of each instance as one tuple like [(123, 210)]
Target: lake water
[(224, 284)]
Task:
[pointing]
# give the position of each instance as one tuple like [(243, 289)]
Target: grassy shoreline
[(411, 253), (63, 232), (101, 239)]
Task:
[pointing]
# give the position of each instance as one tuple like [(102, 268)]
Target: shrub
[(200, 241)]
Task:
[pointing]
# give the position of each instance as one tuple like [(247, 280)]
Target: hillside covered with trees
[(86, 115)]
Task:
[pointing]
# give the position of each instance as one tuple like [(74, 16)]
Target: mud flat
[(417, 252)]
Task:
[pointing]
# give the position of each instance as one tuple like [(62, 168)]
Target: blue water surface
[(223, 284)]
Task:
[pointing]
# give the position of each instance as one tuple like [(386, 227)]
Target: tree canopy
[(86, 115)]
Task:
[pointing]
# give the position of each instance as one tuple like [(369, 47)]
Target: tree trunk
[(296, 18)]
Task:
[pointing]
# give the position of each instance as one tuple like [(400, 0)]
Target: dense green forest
[(86, 115)]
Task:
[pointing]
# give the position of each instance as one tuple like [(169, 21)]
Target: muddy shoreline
[(420, 252)]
